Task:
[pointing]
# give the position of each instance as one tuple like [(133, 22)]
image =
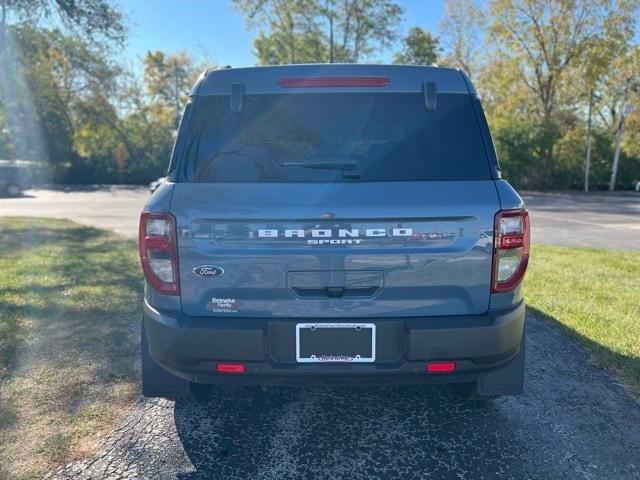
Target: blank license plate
[(335, 342)]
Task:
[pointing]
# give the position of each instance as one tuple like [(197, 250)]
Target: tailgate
[(375, 249)]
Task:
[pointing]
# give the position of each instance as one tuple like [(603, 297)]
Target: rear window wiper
[(349, 169)]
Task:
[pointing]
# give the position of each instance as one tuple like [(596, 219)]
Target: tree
[(461, 31), (93, 20), (301, 31), (40, 69), (54, 74), (361, 27), (420, 48), (169, 79), (547, 41), (625, 76), (289, 22)]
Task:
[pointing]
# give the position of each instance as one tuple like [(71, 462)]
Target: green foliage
[(515, 143), (279, 48), (169, 79), (66, 103), (98, 21), (69, 107), (461, 31), (302, 31), (420, 48), (544, 60)]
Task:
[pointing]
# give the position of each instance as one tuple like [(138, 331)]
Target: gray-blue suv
[(334, 224)]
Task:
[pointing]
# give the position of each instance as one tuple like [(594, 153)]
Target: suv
[(14, 179), (334, 224)]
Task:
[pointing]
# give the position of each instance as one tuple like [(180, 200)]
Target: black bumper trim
[(190, 347)]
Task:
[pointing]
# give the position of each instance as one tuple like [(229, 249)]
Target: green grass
[(69, 338), (594, 295)]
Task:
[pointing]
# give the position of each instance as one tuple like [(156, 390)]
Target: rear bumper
[(191, 347)]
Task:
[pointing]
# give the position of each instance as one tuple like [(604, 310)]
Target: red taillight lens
[(158, 247), (511, 249), (230, 368), (441, 367), (328, 82)]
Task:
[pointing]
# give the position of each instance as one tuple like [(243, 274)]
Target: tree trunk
[(331, 38), (587, 160), (616, 155), (619, 132)]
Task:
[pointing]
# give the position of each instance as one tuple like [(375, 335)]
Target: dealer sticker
[(223, 305)]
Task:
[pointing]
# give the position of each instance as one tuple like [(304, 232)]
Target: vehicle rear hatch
[(291, 251), (360, 200)]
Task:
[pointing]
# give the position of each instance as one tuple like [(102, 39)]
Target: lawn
[(594, 295), (69, 339)]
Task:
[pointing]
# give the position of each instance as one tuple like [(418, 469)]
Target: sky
[(211, 31)]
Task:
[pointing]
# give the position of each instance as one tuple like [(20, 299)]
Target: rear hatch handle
[(335, 292)]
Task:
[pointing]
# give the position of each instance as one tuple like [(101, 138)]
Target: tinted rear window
[(333, 137)]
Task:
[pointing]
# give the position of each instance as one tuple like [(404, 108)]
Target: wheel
[(13, 190), (156, 381)]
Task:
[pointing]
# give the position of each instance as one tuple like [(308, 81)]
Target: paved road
[(115, 207), (585, 220), (572, 423), (600, 220)]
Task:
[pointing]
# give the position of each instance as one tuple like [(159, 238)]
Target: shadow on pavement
[(627, 367), (344, 432), (420, 432)]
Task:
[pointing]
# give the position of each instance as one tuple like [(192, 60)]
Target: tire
[(156, 381)]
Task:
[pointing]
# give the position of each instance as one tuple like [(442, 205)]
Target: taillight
[(159, 251), (332, 82), (441, 367), (231, 368), (511, 249)]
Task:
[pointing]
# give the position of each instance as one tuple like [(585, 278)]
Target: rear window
[(333, 137)]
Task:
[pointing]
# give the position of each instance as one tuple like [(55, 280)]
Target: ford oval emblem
[(208, 270)]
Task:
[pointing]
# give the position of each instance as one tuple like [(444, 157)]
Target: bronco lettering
[(330, 233)]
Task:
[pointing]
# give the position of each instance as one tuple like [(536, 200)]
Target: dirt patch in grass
[(69, 339), (593, 294)]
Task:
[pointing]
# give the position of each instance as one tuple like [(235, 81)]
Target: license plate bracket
[(335, 342)]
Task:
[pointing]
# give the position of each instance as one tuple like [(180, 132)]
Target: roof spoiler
[(430, 93), (237, 97)]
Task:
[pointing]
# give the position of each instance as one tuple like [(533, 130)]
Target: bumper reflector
[(230, 368), (441, 367)]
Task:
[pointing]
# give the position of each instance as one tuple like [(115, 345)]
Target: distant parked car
[(14, 179), (153, 186)]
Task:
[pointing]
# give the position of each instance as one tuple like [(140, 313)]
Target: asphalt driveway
[(570, 219), (573, 422), (598, 220)]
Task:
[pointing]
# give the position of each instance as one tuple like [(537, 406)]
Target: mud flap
[(156, 381), (508, 380)]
